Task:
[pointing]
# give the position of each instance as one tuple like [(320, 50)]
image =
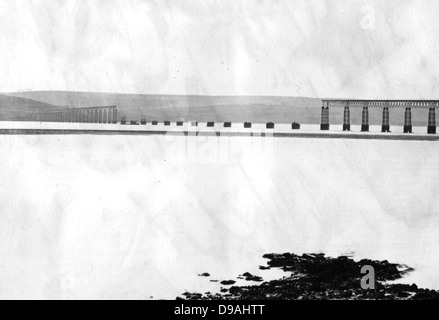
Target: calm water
[(141, 216)]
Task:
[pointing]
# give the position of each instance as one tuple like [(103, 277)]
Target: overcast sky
[(350, 49)]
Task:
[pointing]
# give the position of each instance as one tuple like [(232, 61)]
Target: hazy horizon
[(159, 94)]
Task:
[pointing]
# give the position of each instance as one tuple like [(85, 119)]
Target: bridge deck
[(381, 103), (237, 129)]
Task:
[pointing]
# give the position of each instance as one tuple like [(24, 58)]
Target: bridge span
[(106, 114), (431, 105)]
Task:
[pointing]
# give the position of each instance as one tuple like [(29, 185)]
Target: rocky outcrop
[(317, 277)]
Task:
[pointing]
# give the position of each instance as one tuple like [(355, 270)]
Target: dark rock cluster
[(316, 277), (247, 276), (205, 274)]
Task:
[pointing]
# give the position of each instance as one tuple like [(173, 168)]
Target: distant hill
[(19, 108), (201, 108)]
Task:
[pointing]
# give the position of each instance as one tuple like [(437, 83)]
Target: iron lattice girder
[(85, 109), (96, 114), (381, 103)]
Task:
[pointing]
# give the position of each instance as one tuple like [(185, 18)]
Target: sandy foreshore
[(97, 216)]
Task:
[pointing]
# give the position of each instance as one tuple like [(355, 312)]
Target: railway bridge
[(431, 105), (107, 114)]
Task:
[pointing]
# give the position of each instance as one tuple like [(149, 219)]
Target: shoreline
[(225, 133), (317, 277)]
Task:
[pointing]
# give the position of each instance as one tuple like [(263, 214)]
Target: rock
[(204, 275), (249, 277), (228, 282)]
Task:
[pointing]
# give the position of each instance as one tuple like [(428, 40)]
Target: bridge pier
[(431, 129), (365, 119), (408, 120), (386, 119), (347, 119), (325, 118), (115, 116)]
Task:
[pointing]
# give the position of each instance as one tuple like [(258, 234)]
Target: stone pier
[(325, 117), (346, 118), (386, 119), (431, 129), (365, 119), (408, 120)]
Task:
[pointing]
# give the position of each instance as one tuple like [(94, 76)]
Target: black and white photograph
[(228, 150)]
